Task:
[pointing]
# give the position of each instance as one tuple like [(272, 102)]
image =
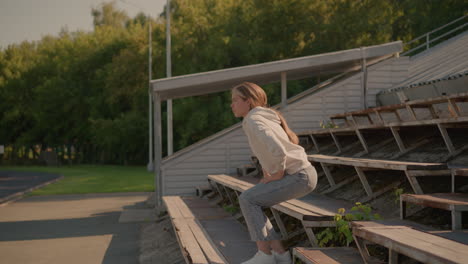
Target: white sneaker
[(284, 258), (261, 258)]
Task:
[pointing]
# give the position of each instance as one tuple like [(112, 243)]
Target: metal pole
[(427, 41), (364, 77), (169, 74), (284, 90), (150, 165), (157, 149)]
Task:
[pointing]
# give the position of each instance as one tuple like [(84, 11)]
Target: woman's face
[(239, 106)]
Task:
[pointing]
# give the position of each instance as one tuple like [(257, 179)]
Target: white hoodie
[(270, 143)]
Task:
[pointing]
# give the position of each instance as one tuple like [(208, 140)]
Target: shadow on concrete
[(123, 248)]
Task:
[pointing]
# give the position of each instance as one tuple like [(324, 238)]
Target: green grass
[(93, 179)]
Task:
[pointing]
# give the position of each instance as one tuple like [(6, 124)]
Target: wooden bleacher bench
[(441, 123), (380, 164), (456, 203), (411, 169), (319, 212), (456, 118), (345, 255), (416, 244), (428, 103), (195, 244), (367, 112), (206, 233)]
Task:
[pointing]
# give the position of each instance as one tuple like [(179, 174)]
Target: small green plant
[(231, 209), (341, 234), (327, 124), (397, 193)]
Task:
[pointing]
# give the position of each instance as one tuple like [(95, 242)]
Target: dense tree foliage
[(89, 90)]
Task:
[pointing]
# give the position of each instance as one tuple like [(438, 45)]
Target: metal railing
[(440, 30)]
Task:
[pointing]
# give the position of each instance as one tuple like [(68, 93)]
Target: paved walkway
[(70, 229)]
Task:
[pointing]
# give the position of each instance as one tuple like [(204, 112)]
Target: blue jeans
[(268, 194)]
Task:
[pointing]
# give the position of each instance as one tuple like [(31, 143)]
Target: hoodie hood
[(262, 114)]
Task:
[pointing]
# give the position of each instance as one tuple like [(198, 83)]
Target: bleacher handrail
[(429, 41)]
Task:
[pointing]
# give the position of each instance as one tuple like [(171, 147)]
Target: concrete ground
[(72, 229)]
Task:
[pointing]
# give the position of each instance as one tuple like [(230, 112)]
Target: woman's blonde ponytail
[(291, 135), (257, 95)]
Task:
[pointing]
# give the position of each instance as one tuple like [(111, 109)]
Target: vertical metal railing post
[(427, 41)]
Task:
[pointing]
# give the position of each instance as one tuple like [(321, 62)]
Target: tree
[(109, 15)]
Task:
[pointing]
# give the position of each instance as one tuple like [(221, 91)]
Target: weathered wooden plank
[(227, 182), (430, 121), (398, 140), (438, 100), (416, 244), (337, 143), (446, 137), (379, 116), (211, 253), (311, 236), (231, 238), (314, 140), (374, 163), (433, 112), (445, 201), (461, 172), (188, 241), (398, 116), (183, 208), (343, 255), (172, 207), (394, 109), (362, 249), (280, 223), (238, 185), (411, 112), (317, 207), (453, 107), (364, 181), (327, 172), (362, 140), (199, 171), (231, 182), (414, 183), (296, 212), (228, 195)]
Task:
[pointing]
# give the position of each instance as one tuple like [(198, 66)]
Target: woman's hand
[(269, 178)]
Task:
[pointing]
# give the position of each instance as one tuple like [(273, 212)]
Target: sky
[(32, 19)]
